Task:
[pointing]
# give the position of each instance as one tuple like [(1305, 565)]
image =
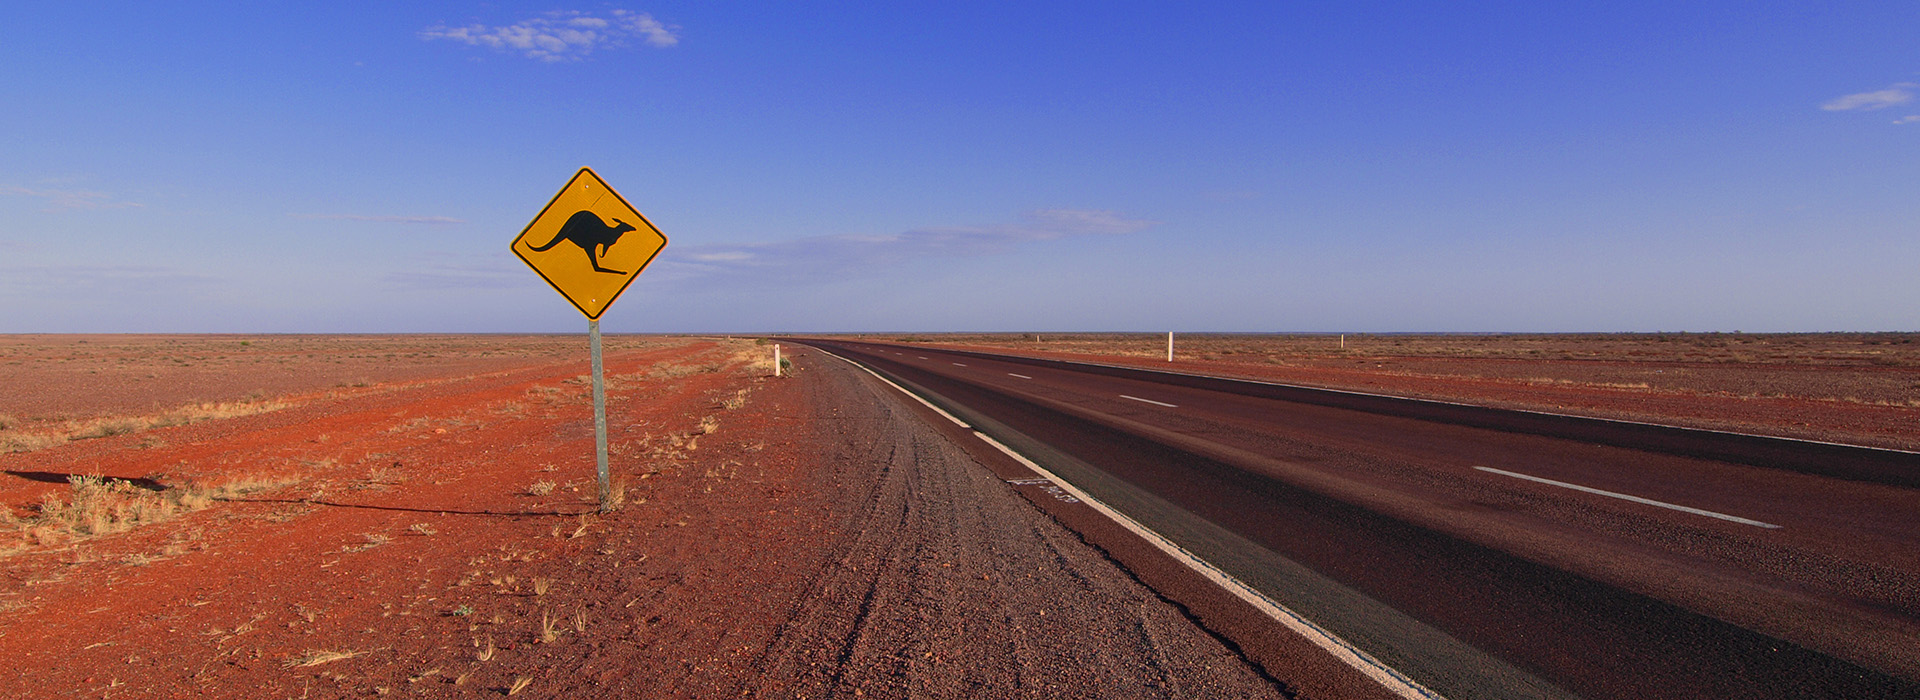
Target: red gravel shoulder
[(437, 536)]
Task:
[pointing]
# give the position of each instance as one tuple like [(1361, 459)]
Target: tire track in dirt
[(942, 583)]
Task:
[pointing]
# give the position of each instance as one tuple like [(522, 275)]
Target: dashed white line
[(921, 356), (1151, 401), (1635, 499), (1022, 376), (956, 364)]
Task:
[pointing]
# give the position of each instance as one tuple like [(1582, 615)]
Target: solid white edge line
[(1394, 681), (1635, 499), (1151, 401), (1439, 402), (916, 397)]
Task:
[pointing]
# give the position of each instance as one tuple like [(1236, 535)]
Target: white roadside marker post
[(1169, 346), (776, 359)]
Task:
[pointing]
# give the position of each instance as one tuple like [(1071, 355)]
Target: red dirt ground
[(405, 543), (409, 537), (435, 534)]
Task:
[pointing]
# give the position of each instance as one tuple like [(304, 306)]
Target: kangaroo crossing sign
[(589, 243)]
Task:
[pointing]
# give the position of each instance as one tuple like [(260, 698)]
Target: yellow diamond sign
[(589, 243)]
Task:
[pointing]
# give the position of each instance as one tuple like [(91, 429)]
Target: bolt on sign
[(589, 243)]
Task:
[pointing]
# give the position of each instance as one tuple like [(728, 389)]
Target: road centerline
[(1625, 497), (1151, 401), (1022, 376)]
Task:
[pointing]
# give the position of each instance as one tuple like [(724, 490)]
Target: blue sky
[(361, 167)]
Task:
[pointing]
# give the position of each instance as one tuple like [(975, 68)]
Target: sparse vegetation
[(549, 628), (66, 431), (373, 539), (96, 505), (541, 488), (320, 656)]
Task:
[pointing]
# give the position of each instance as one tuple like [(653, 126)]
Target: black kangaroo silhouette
[(585, 229)]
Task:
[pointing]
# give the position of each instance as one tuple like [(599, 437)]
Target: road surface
[(1489, 561)]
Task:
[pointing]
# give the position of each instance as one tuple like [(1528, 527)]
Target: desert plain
[(364, 516)]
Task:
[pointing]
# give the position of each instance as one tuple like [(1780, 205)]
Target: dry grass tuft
[(320, 656), (28, 442), (62, 433), (670, 370), (616, 494), (541, 488), (520, 683), (373, 539), (95, 505)]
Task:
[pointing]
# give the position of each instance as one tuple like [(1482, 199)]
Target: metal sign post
[(599, 415)]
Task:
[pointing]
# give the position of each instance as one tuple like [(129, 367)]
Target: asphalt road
[(1488, 562)]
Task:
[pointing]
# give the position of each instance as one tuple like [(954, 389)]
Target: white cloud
[(1909, 119), (1895, 94), (433, 220), (64, 200), (561, 35), (824, 257), (1053, 223)]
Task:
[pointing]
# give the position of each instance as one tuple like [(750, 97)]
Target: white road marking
[(956, 364), (1151, 401), (1022, 376), (903, 390), (921, 356), (1394, 681), (1635, 499)]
